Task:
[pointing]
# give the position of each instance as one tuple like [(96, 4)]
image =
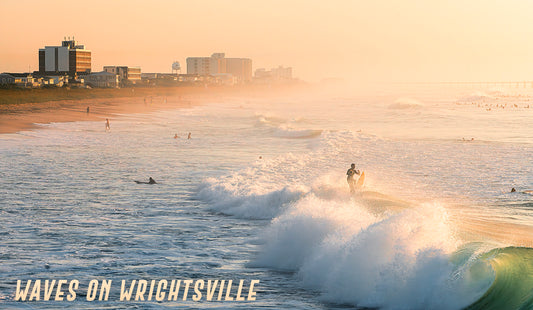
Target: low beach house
[(18, 79), (6, 79), (102, 80)]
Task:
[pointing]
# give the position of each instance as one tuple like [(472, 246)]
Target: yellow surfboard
[(361, 180)]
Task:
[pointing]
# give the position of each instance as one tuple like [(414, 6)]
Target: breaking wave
[(369, 249), (286, 128), (406, 103)]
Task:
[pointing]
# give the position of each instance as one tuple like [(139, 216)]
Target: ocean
[(259, 192)]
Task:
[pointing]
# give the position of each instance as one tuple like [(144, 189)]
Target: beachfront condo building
[(217, 64), (102, 80), (207, 65), (69, 58), (240, 68)]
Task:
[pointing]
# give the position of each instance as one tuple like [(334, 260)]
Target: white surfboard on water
[(361, 181)]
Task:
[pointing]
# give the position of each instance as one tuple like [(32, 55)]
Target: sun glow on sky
[(407, 40)]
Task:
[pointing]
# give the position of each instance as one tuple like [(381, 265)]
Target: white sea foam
[(285, 131), (228, 199), (263, 190), (267, 119)]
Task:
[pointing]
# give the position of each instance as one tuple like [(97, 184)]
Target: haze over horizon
[(375, 41)]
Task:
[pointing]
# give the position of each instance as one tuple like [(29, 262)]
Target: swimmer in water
[(150, 181)]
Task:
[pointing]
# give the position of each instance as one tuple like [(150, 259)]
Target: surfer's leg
[(351, 183)]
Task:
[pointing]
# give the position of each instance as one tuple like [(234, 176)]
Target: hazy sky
[(397, 40)]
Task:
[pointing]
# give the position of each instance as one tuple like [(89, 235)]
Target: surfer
[(150, 181), (351, 177)]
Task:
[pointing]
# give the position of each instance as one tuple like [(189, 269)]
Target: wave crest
[(285, 128), (405, 104)]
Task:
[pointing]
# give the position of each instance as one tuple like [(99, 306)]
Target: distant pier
[(511, 84)]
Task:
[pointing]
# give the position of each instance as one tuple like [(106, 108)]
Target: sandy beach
[(15, 118), (25, 116)]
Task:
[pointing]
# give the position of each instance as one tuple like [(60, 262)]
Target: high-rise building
[(69, 58), (207, 65), (240, 68)]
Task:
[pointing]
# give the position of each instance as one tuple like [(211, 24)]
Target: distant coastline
[(15, 96), (12, 96)]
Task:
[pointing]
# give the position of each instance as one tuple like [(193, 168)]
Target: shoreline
[(26, 116), (29, 116)]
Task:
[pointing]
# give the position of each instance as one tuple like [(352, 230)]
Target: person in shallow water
[(150, 181), (351, 177)]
